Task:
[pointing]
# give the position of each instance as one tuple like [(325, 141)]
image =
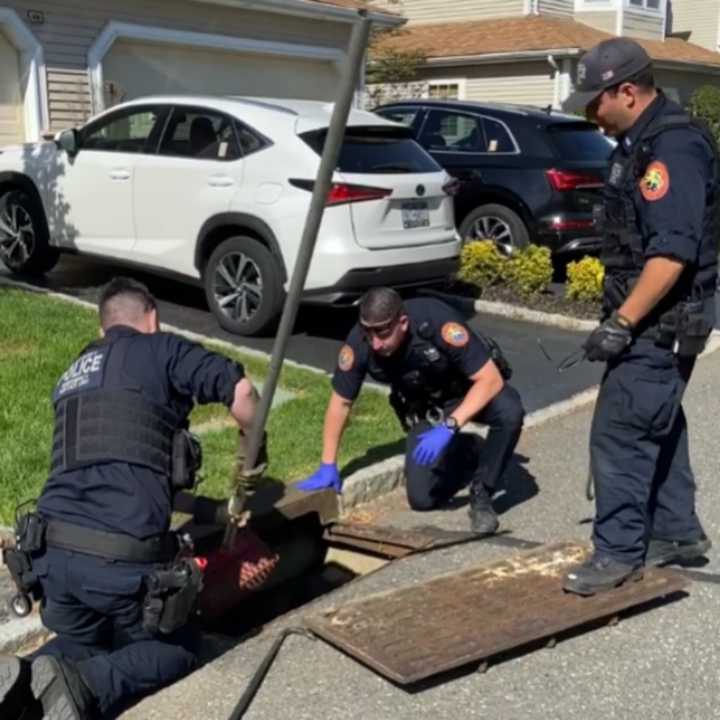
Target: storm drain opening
[(300, 536)]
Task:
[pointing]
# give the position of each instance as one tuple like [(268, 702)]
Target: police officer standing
[(120, 413), (659, 228), (442, 376)]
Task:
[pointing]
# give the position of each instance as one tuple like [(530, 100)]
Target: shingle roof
[(523, 34)]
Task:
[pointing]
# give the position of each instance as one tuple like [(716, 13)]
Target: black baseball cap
[(609, 63)]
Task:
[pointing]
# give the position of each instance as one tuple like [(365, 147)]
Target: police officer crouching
[(442, 375), (115, 586), (660, 227)]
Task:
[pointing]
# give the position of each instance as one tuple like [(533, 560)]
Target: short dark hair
[(644, 79), (124, 299), (380, 306)]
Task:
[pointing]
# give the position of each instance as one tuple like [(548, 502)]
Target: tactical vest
[(427, 379), (100, 416), (623, 249)]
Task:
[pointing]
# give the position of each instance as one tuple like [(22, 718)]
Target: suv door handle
[(120, 174), (220, 181)]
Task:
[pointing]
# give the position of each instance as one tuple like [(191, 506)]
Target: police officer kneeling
[(660, 229), (442, 376), (114, 589)]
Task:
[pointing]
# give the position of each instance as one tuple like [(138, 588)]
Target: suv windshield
[(376, 150), (580, 141)]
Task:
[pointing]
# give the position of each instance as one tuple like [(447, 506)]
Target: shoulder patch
[(656, 181), (454, 334), (346, 358)]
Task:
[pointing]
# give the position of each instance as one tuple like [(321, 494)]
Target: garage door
[(11, 109), (133, 69)]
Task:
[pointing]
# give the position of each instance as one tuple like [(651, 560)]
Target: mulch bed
[(552, 300), (549, 301)]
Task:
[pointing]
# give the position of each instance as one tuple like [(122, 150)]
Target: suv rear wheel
[(24, 241), (497, 223), (243, 286)]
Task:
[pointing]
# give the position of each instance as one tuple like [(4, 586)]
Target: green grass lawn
[(40, 336)]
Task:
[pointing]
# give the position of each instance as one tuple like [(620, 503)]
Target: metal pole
[(328, 163)]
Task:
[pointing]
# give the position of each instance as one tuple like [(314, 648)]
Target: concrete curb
[(19, 633), (515, 312)]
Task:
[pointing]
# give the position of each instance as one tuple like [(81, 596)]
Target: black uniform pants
[(94, 606), (639, 455), (467, 458)]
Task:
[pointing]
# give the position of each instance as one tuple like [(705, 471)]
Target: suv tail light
[(564, 180), (452, 187), (343, 193)]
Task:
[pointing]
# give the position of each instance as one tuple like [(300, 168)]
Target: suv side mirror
[(67, 140)]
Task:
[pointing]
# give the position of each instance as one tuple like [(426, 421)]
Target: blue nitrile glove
[(432, 444), (326, 476)]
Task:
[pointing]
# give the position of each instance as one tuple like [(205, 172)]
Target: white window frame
[(32, 67), (659, 11), (460, 82), (116, 30), (599, 5)]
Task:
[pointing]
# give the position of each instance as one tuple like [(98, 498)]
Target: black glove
[(609, 340)]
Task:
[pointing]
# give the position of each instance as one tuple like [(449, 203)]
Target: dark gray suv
[(527, 175)]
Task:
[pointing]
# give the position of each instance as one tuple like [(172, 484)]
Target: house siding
[(643, 25), (561, 8), (432, 11), (700, 19), (679, 86), (72, 26), (605, 21), (522, 83)]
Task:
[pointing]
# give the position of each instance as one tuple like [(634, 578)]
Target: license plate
[(415, 215)]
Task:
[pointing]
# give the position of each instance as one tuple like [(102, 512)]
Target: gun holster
[(693, 329), (685, 329), (171, 596), (29, 538), (186, 460)]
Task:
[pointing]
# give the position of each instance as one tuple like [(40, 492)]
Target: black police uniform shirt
[(670, 198), (128, 498), (450, 334)]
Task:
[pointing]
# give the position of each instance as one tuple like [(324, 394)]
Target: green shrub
[(585, 279), (705, 105), (529, 271), (481, 264)]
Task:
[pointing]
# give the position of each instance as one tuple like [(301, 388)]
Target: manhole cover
[(416, 632)]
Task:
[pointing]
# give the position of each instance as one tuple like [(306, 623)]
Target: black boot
[(60, 689), (483, 520), (598, 574), (666, 552), (15, 695)]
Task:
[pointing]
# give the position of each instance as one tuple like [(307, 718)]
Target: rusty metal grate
[(416, 632), (390, 541)]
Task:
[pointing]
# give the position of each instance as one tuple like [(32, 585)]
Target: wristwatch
[(623, 322), (451, 423)]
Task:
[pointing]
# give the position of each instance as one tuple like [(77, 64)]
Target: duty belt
[(112, 546)]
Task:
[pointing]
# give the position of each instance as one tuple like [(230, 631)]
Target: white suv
[(216, 190)]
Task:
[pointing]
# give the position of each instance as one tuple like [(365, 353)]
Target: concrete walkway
[(659, 665)]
